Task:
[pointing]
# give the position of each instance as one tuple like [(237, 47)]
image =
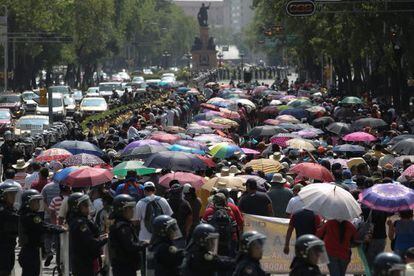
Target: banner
[(274, 260)]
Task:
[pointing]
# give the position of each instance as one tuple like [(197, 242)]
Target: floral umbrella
[(53, 154), (83, 159)]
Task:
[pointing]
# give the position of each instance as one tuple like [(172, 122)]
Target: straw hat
[(276, 156), (278, 179), (225, 171), (20, 164), (233, 169)]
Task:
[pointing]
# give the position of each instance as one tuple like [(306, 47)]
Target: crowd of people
[(163, 187)]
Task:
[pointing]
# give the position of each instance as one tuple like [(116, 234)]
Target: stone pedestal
[(204, 54)]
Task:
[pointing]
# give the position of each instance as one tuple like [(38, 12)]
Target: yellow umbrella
[(224, 182), (355, 161), (224, 121), (300, 144), (265, 165)]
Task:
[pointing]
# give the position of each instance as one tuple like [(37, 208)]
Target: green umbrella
[(351, 100), (284, 107), (300, 103), (122, 168)]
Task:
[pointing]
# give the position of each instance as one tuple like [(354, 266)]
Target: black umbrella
[(399, 138), (349, 148), (339, 128), (322, 121), (368, 122), (404, 147), (142, 152), (260, 131), (175, 161)]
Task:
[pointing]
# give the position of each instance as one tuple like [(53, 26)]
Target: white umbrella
[(330, 201)]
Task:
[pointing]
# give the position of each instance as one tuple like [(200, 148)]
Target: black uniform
[(9, 221), (84, 245), (200, 263), (300, 267), (31, 232), (163, 258), (124, 248), (248, 266)]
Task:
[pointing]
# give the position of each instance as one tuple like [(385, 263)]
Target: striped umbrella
[(83, 159), (137, 166), (265, 165), (53, 154)]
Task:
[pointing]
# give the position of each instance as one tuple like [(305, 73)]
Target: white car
[(32, 124), (77, 95), (58, 107), (29, 103), (70, 105), (168, 75), (91, 105), (106, 88), (147, 71)]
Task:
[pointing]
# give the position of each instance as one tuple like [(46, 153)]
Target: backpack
[(364, 228), (222, 222), (152, 211)]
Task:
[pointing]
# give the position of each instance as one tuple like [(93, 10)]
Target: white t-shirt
[(30, 179), (295, 204), (139, 214)]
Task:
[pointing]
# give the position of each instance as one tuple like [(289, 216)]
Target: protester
[(21, 174), (254, 202), (279, 195), (402, 232), (181, 209)]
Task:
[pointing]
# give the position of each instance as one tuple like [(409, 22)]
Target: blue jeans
[(337, 266)]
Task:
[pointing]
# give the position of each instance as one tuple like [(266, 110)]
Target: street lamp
[(166, 55)]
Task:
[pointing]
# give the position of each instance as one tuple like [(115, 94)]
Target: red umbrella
[(314, 171), (182, 177), (208, 161), (270, 109), (56, 154), (359, 137), (210, 106), (165, 137), (87, 177)]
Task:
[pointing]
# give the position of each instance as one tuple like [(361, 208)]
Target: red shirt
[(329, 233), (208, 214), (237, 215), (39, 184)]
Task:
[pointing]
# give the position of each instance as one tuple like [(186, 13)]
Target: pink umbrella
[(250, 151), (409, 172), (272, 122), (212, 125), (212, 138), (359, 137), (229, 114), (287, 119), (89, 177), (56, 154), (314, 171), (281, 139), (165, 137), (306, 133), (288, 98), (195, 180)]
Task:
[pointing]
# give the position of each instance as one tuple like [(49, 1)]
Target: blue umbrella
[(177, 147), (63, 174), (76, 147), (349, 148), (295, 112), (183, 89)]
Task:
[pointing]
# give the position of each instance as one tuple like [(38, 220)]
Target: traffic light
[(42, 96)]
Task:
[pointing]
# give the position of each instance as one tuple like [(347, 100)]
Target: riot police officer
[(251, 251), (8, 227), (200, 257), (84, 240), (163, 258), (31, 232), (309, 252), (124, 246), (387, 264)]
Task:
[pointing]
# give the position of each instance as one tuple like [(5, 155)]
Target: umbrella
[(177, 147), (349, 148), (259, 90), (195, 181), (53, 154), (229, 114), (300, 103), (224, 150), (261, 131), (290, 126), (176, 161), (264, 165), (368, 122), (399, 160), (165, 137), (344, 113), (343, 162), (89, 177), (198, 129), (300, 144), (63, 173), (317, 110), (206, 116), (212, 138), (250, 151), (224, 182), (307, 133), (209, 106), (247, 102), (313, 171), (330, 201), (262, 183), (272, 122), (339, 128), (212, 125), (83, 159), (139, 143), (400, 138), (281, 138), (288, 98), (322, 121), (287, 119), (206, 160), (275, 102), (404, 147), (359, 137), (224, 121), (351, 100), (270, 109), (174, 129), (389, 197), (137, 166), (409, 172), (192, 144), (76, 147), (142, 152), (295, 112)]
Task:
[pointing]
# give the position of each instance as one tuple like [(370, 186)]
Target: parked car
[(12, 102), (59, 110), (106, 89), (5, 120), (77, 96), (29, 101), (70, 105), (32, 124), (63, 89), (91, 105)]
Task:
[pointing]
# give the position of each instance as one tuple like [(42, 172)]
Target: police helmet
[(205, 236), (29, 196), (249, 238), (121, 202), (386, 263), (166, 227), (308, 246), (7, 188), (75, 200)]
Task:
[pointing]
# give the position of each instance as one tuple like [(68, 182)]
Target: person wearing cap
[(131, 187), (279, 195), (254, 202), (21, 174)]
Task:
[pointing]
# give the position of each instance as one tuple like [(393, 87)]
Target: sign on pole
[(300, 8)]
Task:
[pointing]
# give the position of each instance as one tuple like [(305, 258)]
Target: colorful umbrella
[(250, 151), (226, 122), (229, 114), (330, 201), (307, 133), (409, 172), (142, 152), (176, 161), (272, 122), (339, 128), (206, 116), (176, 147), (313, 171), (224, 150), (137, 166), (264, 165), (210, 106), (359, 137), (89, 177), (63, 173), (76, 147), (165, 137), (53, 154), (265, 131), (229, 182), (174, 129), (83, 159), (193, 144), (198, 129), (281, 138), (195, 181), (139, 143), (389, 197), (270, 109), (213, 125), (212, 138), (206, 160), (287, 119), (300, 144)]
